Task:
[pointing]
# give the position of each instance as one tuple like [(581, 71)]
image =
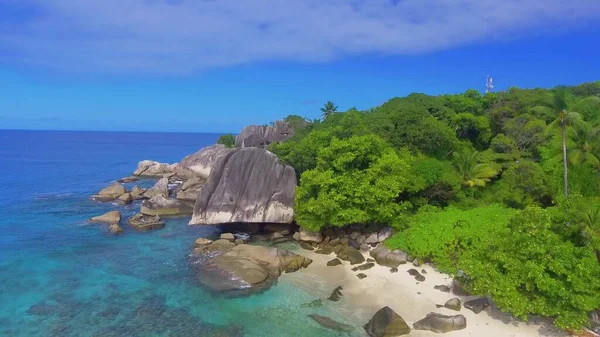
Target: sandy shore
[(410, 299)]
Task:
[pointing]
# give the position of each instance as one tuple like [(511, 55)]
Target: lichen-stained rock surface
[(248, 185), (200, 164)]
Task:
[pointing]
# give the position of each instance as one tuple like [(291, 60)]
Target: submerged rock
[(109, 218), (441, 323), (143, 222), (160, 188), (386, 323), (129, 179), (115, 229), (248, 185), (389, 258), (159, 205), (240, 269), (336, 294), (331, 324), (110, 193)]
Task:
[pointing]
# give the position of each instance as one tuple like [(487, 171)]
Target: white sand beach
[(410, 299)]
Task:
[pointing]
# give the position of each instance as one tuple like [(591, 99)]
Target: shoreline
[(412, 300)]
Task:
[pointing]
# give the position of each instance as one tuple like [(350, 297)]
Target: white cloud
[(187, 36)]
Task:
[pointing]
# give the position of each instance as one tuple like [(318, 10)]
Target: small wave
[(54, 196)]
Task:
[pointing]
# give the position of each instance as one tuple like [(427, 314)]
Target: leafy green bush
[(227, 139), (512, 256), (356, 181)]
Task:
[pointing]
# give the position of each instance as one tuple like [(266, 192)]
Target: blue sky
[(183, 65)]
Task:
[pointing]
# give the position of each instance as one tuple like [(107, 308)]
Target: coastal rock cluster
[(239, 268)]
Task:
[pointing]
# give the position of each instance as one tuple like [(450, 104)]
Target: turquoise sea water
[(60, 276)]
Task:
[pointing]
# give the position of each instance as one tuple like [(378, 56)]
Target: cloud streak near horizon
[(179, 37)]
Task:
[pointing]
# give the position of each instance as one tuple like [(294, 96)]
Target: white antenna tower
[(488, 84)]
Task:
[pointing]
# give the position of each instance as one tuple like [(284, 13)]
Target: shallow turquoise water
[(60, 276)]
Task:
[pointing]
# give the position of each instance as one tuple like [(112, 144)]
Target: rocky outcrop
[(389, 258), (137, 193), (386, 323), (241, 269), (160, 188), (142, 222), (262, 136), (109, 218), (189, 190), (200, 164), (329, 323), (110, 193), (441, 323), (154, 169), (159, 205), (125, 199), (248, 185), (415, 273)]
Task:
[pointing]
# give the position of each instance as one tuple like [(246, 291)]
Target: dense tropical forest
[(501, 190)]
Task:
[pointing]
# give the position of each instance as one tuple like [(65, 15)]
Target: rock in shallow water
[(110, 193), (441, 323), (224, 267), (109, 217), (115, 229), (142, 222), (149, 168), (386, 323), (336, 294), (248, 185), (159, 205), (160, 188)]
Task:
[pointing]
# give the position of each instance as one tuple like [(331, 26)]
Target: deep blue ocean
[(61, 276)]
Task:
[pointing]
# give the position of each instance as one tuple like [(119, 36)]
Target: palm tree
[(328, 109), (563, 117), (584, 141), (473, 173)]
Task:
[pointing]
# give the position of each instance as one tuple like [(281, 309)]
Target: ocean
[(61, 276)]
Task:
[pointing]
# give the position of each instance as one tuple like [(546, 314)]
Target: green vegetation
[(227, 139), (501, 190)]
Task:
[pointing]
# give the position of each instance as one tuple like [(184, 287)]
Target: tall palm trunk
[(564, 144)]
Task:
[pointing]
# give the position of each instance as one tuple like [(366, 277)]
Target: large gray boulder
[(240, 269), (149, 168), (249, 185), (441, 323), (386, 323), (389, 258), (109, 218), (190, 188), (262, 136), (200, 164)]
